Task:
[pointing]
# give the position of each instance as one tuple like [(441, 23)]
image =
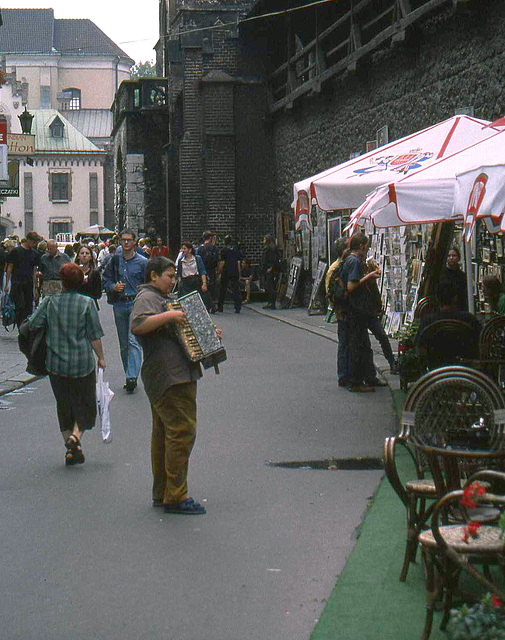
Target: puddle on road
[(333, 464)]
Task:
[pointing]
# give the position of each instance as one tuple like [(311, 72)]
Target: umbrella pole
[(467, 250)]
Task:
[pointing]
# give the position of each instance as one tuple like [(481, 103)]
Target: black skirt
[(75, 401)]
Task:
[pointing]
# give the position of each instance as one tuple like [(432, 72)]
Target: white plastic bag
[(103, 397)]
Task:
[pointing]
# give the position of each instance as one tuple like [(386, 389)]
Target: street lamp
[(26, 119)]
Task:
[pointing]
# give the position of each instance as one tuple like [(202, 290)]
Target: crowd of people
[(59, 292)]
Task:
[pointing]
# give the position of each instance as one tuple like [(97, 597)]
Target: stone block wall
[(458, 60), (135, 209)]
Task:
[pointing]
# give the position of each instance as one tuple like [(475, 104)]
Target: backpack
[(8, 311), (209, 254), (337, 295)]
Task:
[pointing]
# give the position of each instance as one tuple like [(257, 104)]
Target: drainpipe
[(118, 59)]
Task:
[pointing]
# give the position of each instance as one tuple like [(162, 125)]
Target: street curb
[(8, 386)]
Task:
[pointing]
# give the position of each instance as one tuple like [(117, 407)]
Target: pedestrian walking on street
[(49, 269), (170, 381), (73, 333), (271, 268), (92, 284), (229, 268), (159, 249), (209, 253), (121, 277), (22, 263), (191, 273)]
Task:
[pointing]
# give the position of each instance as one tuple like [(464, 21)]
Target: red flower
[(471, 493), (473, 527), (468, 502), (496, 601)]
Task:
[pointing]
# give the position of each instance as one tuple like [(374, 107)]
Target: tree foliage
[(145, 69)]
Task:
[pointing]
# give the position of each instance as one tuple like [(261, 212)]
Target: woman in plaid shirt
[(73, 333)]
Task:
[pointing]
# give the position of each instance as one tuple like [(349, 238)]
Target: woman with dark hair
[(92, 283), (452, 273), (493, 292), (191, 272), (169, 379), (73, 333)]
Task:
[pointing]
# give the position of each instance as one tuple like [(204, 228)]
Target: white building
[(63, 191)]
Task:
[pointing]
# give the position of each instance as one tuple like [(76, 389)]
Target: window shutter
[(28, 184)]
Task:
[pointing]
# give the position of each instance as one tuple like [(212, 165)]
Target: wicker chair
[(443, 400), (446, 342), (448, 550), (492, 348), (424, 307)]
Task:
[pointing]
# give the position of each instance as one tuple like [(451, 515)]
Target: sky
[(124, 21)]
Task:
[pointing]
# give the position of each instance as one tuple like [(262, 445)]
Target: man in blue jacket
[(122, 275)]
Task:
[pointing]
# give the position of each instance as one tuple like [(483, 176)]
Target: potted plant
[(410, 366), (484, 620)]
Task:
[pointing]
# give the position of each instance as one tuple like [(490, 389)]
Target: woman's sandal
[(74, 454)]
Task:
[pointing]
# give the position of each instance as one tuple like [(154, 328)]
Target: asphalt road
[(85, 556)]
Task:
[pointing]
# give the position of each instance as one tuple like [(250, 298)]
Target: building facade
[(60, 184), (68, 65)]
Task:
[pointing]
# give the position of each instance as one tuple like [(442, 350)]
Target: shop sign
[(21, 144), (10, 188)]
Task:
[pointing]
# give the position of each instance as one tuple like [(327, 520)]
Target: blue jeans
[(375, 326), (131, 351), (343, 350)]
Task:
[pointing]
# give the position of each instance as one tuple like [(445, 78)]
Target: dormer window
[(56, 127)]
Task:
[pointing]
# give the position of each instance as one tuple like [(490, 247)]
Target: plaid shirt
[(71, 322)]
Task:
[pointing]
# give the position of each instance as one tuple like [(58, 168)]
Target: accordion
[(197, 334)]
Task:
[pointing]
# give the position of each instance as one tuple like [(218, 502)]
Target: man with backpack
[(209, 254), (337, 295)]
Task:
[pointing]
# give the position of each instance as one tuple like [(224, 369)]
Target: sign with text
[(21, 144), (10, 188), (3, 130)]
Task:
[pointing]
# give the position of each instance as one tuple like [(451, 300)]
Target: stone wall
[(135, 208), (458, 60)]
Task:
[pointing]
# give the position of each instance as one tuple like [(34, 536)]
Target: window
[(45, 98), (59, 187), (57, 128), (73, 99), (59, 226), (28, 191), (28, 221), (93, 198)]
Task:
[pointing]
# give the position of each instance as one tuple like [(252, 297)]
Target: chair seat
[(421, 485), (489, 539)]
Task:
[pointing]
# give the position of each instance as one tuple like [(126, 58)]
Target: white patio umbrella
[(429, 194), (348, 184), (480, 194), (462, 186)]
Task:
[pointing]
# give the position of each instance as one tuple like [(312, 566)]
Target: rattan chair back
[(424, 307), (446, 341)]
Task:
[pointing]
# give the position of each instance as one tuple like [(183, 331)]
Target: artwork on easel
[(316, 307), (295, 270), (334, 233)]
